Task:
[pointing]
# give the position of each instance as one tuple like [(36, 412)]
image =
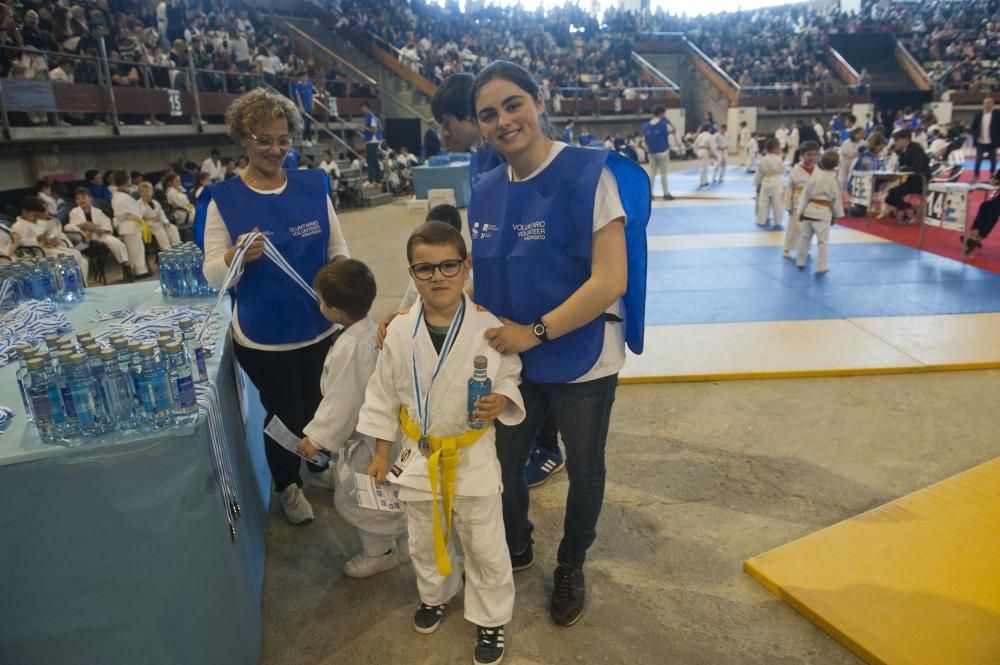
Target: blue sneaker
[(542, 464)]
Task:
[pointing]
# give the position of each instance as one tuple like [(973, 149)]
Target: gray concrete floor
[(701, 476)]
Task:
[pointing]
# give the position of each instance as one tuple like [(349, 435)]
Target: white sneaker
[(323, 479), (296, 505), (362, 565)]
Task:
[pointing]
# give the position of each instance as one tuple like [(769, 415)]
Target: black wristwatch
[(541, 330)]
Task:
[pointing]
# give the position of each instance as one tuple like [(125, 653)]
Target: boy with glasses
[(448, 468)]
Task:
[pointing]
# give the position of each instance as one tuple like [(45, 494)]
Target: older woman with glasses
[(279, 335)]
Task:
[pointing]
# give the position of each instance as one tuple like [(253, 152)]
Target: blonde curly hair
[(255, 110)]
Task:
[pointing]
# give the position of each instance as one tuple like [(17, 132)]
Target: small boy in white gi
[(767, 181), (704, 149), (821, 204), (721, 150), (797, 179), (346, 290), (448, 467)]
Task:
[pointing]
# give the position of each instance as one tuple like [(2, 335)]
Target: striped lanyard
[(423, 399), (271, 252)]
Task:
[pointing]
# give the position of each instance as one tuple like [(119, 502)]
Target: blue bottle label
[(86, 409), (199, 356), (477, 390), (160, 393), (70, 280), (185, 393), (41, 406), (67, 398), (56, 407)]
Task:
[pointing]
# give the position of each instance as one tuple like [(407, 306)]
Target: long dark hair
[(519, 76)]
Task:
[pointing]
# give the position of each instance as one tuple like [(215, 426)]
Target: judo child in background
[(797, 178), (347, 290), (721, 150), (767, 181), (704, 149), (448, 468), (849, 151), (821, 204)]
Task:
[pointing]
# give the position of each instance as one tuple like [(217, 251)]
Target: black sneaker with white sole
[(569, 595), (428, 617), (489, 645), (524, 560)]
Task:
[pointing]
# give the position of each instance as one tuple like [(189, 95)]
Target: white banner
[(174, 99)]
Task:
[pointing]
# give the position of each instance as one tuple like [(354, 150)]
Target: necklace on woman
[(255, 181)]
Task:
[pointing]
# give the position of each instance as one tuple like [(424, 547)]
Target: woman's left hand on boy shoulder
[(512, 337)]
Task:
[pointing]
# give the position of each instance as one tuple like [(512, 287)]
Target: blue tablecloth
[(454, 176), (118, 551)]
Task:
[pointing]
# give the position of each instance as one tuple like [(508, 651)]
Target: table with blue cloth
[(119, 551), (453, 176)]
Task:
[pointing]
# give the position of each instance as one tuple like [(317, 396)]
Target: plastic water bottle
[(119, 398), (25, 352), (195, 351), (162, 269), (154, 389), (88, 416), (42, 405), (72, 280), (181, 385), (479, 386), (35, 282), (50, 282), (60, 376)]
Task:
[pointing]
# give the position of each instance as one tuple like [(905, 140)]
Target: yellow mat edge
[(801, 608), (810, 373)]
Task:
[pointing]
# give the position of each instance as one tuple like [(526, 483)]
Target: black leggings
[(913, 185), (289, 386)]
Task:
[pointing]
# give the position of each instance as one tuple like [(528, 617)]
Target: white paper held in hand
[(285, 438), (381, 497)]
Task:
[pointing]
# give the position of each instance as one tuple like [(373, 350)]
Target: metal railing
[(648, 67), (577, 101), (788, 97)]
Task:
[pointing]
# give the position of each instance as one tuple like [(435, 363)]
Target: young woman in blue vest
[(559, 253), (279, 335)]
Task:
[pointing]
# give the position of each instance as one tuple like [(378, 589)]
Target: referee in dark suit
[(986, 135)]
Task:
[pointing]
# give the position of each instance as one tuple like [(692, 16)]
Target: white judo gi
[(477, 514), (721, 151), (820, 205), (104, 236), (849, 151), (128, 223), (348, 367), (797, 179), (745, 139), (165, 233), (32, 232), (767, 181), (704, 148)]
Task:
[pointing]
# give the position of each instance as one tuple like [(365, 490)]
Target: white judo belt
[(208, 404), (271, 252)]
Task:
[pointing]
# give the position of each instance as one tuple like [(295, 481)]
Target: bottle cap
[(145, 350), (169, 334), (63, 356), (134, 346), (84, 335), (172, 347), (185, 324), (108, 355), (51, 340), (77, 359), (163, 341), (66, 344), (479, 362), (36, 363), (92, 349), (119, 343)]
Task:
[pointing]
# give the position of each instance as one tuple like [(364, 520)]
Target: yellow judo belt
[(444, 452)]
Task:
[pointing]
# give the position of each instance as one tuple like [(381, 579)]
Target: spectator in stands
[(95, 227), (986, 136), (568, 136), (212, 166), (95, 184), (201, 181), (165, 233), (912, 161), (177, 198), (302, 92), (128, 222), (279, 336), (373, 136), (43, 190), (432, 142), (63, 73), (33, 231)]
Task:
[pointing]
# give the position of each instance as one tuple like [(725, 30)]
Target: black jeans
[(986, 217), (288, 382), (371, 155), (582, 412), (985, 150), (548, 435)]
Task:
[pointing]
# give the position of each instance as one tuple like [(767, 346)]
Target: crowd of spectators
[(155, 44)]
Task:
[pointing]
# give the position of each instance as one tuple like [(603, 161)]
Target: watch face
[(539, 329)]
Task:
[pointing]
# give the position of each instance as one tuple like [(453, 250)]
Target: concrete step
[(379, 199)]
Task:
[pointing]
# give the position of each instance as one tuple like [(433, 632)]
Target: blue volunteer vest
[(532, 244), (273, 309), (482, 160), (200, 214), (657, 136)]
